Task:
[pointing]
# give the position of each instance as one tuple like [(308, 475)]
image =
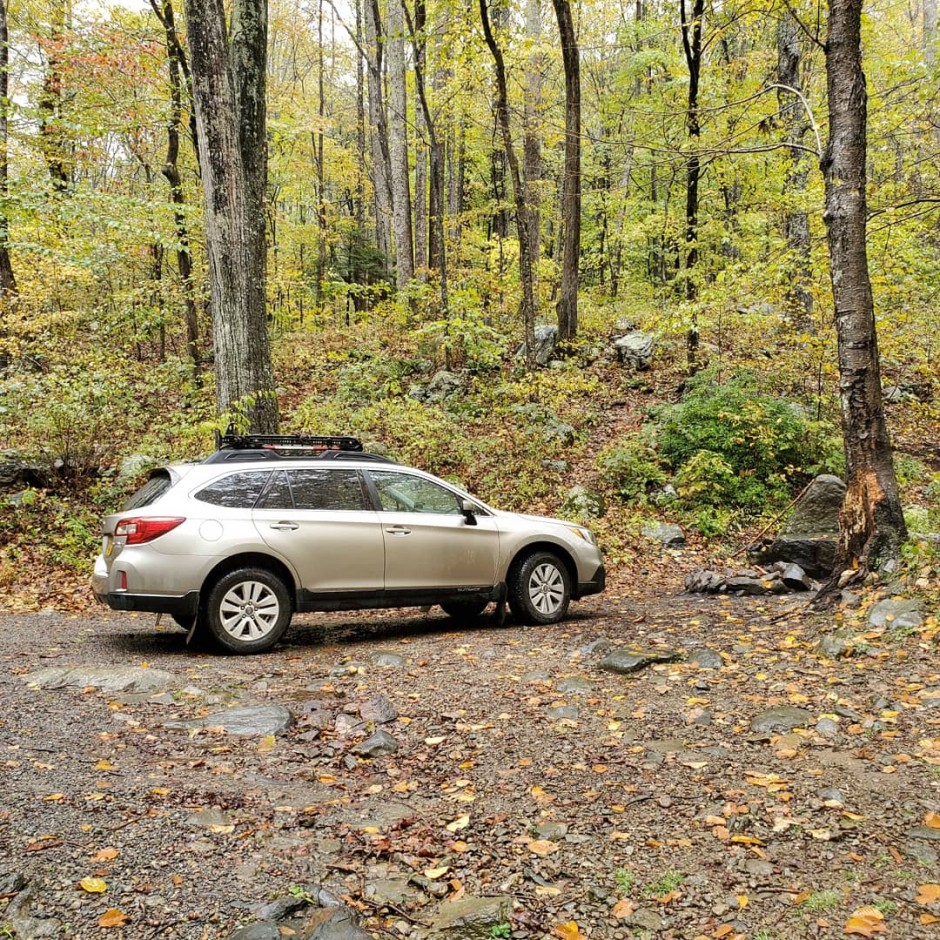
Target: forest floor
[(778, 794)]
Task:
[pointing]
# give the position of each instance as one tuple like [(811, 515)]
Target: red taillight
[(142, 529)]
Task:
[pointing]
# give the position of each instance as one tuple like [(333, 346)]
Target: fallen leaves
[(113, 918), (93, 885), (865, 922), (928, 894), (460, 823)]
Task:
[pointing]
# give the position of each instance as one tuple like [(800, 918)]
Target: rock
[(832, 795), (624, 661), (24, 925), (925, 854), (834, 646), (827, 727), (386, 658), (575, 685), (780, 720), (16, 471), (378, 745), (560, 712), (333, 923), (442, 385), (758, 868), (106, 678), (808, 538), (595, 648), (559, 431), (706, 659), (924, 834), (794, 577), (135, 466), (552, 831), (635, 349), (537, 676), (669, 534), (248, 721), (581, 504), (752, 587), (897, 613), (471, 917), (546, 338), (396, 892), (645, 920), (263, 930), (209, 819), (378, 709)]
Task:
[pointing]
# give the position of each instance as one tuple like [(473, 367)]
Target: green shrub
[(631, 467)]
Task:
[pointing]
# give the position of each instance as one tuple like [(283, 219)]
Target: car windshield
[(151, 491)]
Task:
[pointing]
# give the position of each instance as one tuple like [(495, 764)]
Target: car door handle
[(285, 526), (398, 530)]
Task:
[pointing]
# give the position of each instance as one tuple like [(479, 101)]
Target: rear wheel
[(539, 588), (464, 611), (248, 610)]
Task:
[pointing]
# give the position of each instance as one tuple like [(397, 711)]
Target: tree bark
[(170, 170), (421, 221), (55, 145), (398, 127), (381, 160), (872, 524), (571, 187), (520, 195), (7, 278), (692, 46), (799, 300), (228, 87), (532, 141)]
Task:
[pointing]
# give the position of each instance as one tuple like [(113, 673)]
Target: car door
[(322, 520), (429, 544)]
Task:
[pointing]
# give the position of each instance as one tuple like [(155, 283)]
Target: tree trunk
[(532, 142), (398, 127), (571, 187), (54, 145), (228, 87), (520, 195), (872, 524), (799, 300), (7, 279), (930, 31), (416, 29), (381, 161), (692, 46), (184, 262)]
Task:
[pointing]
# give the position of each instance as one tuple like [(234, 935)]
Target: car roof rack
[(260, 447)]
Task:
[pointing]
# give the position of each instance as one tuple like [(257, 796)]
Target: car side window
[(278, 495), (327, 489), (401, 492), (235, 491)]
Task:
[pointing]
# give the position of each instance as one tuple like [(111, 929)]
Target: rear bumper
[(183, 605), (595, 584)]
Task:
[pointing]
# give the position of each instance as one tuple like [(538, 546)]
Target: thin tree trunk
[(7, 278), (872, 524), (170, 171), (520, 194), (381, 160), (228, 88), (54, 145), (398, 127), (799, 300), (692, 46), (930, 31), (320, 168), (571, 188), (532, 141), (421, 221)]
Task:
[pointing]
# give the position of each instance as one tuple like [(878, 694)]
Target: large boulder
[(546, 338), (16, 471), (809, 536), (635, 349)]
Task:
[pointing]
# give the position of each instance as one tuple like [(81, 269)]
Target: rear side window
[(151, 491), (235, 491), (327, 489)]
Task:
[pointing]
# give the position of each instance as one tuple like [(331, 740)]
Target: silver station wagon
[(270, 525)]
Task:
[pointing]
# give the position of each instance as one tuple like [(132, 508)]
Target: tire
[(248, 610), (464, 611), (539, 589)]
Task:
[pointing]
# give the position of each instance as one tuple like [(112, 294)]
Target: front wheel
[(248, 610), (539, 589), (464, 611)]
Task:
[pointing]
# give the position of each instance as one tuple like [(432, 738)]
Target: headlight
[(582, 533)]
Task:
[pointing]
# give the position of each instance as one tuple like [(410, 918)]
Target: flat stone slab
[(105, 678), (471, 917), (899, 614), (780, 720), (248, 721), (625, 661)]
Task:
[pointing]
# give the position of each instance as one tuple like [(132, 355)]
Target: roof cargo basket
[(243, 448)]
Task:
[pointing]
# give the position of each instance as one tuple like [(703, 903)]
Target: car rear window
[(159, 482), (235, 491)]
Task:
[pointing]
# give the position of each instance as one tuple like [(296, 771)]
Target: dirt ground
[(591, 804)]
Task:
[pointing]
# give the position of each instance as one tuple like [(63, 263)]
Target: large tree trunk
[(381, 160), (571, 188), (692, 46), (520, 194), (228, 87), (184, 263), (398, 127), (799, 300), (7, 279), (872, 524)]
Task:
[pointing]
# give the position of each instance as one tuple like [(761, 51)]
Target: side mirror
[(469, 511)]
